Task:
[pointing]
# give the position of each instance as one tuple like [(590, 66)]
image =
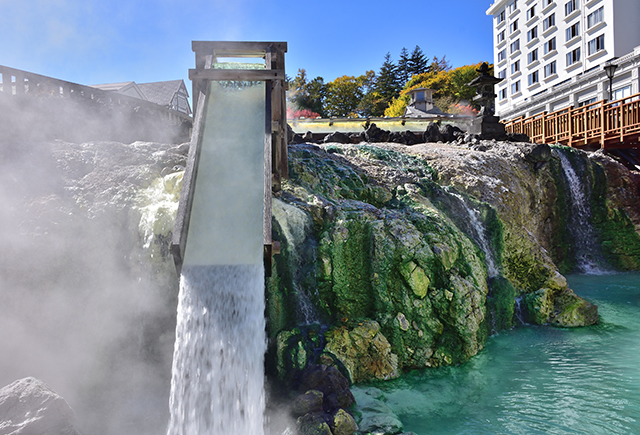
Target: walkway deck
[(608, 125)]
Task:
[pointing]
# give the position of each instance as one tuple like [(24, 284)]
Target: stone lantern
[(486, 123)]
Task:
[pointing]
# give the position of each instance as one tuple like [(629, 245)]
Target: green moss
[(351, 269), (500, 304), (527, 271)]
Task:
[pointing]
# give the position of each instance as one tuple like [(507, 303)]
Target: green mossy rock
[(571, 311), (364, 351), (343, 423), (393, 245)]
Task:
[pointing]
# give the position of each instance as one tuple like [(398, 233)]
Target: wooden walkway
[(608, 125)]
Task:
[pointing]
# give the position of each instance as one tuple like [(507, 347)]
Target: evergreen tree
[(387, 83), (307, 95), (403, 67), (417, 63)]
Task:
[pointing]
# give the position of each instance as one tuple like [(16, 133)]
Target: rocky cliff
[(393, 257), (398, 257)]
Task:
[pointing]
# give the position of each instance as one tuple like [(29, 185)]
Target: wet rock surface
[(28, 406)]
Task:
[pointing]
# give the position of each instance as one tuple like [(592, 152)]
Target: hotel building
[(551, 53)]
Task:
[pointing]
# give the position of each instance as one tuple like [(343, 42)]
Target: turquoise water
[(537, 380)]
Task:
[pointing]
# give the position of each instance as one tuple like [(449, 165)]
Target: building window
[(515, 67), (513, 6), (622, 93), (573, 57), (550, 45), (548, 22), (515, 46), (596, 44), (533, 55), (586, 102), (532, 33), (502, 74), (514, 26), (533, 78), (573, 31), (501, 17), (500, 37), (595, 17), (550, 69), (502, 55), (546, 3), (531, 12), (502, 94), (570, 6), (515, 87)]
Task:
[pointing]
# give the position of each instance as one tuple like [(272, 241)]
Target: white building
[(551, 53)]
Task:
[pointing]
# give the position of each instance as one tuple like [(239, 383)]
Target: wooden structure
[(608, 125), (16, 83), (207, 56)]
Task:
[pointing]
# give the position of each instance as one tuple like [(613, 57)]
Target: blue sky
[(106, 41)]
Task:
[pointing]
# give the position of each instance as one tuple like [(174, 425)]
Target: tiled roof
[(160, 92)]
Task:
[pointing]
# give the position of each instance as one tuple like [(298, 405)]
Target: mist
[(84, 307)]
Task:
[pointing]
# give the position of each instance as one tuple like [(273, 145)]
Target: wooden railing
[(614, 124), (17, 82)]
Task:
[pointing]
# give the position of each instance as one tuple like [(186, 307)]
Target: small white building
[(421, 103), (551, 53)]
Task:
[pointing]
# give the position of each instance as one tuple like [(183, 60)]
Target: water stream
[(537, 380), (585, 238), (217, 382), (472, 221)]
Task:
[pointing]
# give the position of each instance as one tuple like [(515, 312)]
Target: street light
[(610, 70)]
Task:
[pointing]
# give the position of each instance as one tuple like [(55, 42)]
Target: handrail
[(611, 124)]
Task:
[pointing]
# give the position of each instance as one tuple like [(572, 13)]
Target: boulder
[(337, 137), (333, 385), (29, 407), (343, 423), (306, 403), (432, 133), (314, 424), (364, 351), (571, 311), (375, 134), (538, 154)]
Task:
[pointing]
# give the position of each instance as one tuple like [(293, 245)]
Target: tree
[(403, 67), (450, 85), (345, 95), (307, 95), (417, 63), (387, 83)]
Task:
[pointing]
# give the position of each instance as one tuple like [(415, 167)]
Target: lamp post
[(610, 70)]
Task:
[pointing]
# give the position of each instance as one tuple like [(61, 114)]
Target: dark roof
[(161, 92)]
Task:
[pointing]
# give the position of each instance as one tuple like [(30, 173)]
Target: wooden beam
[(236, 74), (236, 48)]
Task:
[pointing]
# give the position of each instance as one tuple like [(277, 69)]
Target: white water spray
[(217, 383), (479, 233), (584, 235)]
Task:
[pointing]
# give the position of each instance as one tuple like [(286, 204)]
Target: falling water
[(217, 383), (478, 232), (584, 236), (218, 364)]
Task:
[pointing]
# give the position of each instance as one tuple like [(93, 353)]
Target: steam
[(79, 310)]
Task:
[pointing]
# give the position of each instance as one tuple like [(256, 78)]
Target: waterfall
[(217, 385), (477, 230), (296, 225), (588, 256), (217, 382)]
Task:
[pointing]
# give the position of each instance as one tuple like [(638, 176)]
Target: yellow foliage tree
[(449, 86)]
